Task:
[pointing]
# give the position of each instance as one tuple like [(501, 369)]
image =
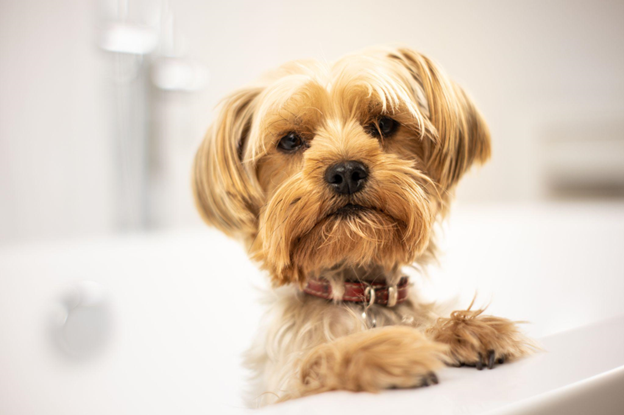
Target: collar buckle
[(393, 296), (370, 294)]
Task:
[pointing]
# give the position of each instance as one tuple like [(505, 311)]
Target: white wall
[(55, 153), (531, 66)]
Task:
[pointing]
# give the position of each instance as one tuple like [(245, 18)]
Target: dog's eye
[(384, 127), (387, 126), (290, 142)]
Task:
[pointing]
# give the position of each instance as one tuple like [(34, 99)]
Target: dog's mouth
[(350, 209), (354, 211)]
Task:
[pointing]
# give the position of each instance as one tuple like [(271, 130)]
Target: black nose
[(347, 178)]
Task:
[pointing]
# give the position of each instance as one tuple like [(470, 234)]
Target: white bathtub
[(163, 329)]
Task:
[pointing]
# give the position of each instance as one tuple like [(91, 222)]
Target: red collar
[(362, 292)]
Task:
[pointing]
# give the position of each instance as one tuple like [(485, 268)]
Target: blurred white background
[(82, 153)]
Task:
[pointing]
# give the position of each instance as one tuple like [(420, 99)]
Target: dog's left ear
[(222, 185), (459, 135)]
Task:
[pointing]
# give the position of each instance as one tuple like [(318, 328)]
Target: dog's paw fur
[(383, 358), (480, 340)]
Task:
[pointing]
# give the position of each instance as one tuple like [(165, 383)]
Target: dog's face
[(321, 165)]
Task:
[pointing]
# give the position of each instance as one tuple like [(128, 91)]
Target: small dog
[(333, 175)]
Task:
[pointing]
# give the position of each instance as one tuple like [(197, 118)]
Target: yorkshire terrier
[(334, 175)]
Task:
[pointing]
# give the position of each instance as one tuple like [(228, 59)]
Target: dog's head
[(322, 165)]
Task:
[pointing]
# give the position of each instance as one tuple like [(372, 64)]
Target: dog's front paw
[(383, 358), (479, 340)]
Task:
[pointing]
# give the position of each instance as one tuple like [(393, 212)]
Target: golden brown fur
[(280, 205)]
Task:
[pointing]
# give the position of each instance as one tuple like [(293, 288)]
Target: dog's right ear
[(460, 135), (222, 185)]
